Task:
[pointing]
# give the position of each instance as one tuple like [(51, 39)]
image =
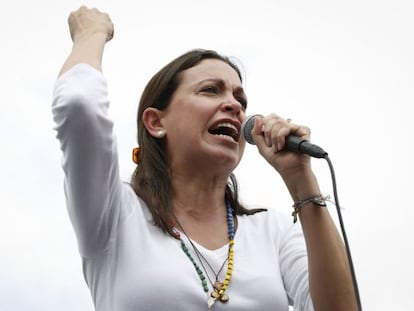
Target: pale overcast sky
[(344, 68)]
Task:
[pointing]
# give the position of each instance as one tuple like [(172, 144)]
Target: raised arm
[(90, 30), (80, 110), (330, 279)]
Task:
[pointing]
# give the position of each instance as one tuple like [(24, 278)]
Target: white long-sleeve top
[(129, 264)]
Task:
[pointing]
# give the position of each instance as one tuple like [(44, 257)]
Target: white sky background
[(345, 68)]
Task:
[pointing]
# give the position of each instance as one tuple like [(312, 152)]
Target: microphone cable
[(344, 235)]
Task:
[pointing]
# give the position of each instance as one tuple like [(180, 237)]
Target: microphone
[(293, 143)]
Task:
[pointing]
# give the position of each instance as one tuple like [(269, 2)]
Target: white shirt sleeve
[(92, 183)]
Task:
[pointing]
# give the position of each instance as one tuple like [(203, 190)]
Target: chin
[(227, 159)]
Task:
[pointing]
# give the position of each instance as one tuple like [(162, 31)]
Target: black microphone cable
[(343, 231)]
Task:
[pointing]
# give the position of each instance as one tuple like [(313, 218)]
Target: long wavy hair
[(151, 179)]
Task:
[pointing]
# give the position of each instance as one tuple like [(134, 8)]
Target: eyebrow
[(238, 90)]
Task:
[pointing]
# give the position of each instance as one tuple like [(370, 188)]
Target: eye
[(210, 89), (242, 101)]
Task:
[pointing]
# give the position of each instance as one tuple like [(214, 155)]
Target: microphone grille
[(247, 128)]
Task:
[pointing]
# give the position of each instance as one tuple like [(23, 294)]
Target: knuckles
[(85, 19), (275, 126)]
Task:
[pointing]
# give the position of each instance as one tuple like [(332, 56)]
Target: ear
[(152, 118)]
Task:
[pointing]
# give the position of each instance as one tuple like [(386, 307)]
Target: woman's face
[(204, 117)]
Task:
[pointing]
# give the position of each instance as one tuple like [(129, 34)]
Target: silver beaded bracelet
[(319, 200)]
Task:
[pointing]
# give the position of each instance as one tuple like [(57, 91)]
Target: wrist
[(317, 200), (88, 47), (90, 36), (302, 185)]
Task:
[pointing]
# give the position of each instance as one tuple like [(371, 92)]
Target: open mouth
[(226, 129)]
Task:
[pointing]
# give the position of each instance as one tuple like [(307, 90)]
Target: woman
[(177, 238)]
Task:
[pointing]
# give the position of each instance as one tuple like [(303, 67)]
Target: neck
[(198, 196), (201, 210)]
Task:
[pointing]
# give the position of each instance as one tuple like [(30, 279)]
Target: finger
[(82, 8), (300, 131), (262, 143), (111, 35), (270, 127), (279, 138), (285, 130), (111, 30), (274, 131), (257, 133)]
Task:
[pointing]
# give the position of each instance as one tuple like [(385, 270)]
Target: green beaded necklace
[(219, 288), (199, 271)]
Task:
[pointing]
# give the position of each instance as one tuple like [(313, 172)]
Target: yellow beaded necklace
[(218, 288)]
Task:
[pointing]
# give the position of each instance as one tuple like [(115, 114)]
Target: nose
[(231, 105)]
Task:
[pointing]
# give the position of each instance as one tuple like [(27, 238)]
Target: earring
[(160, 133)]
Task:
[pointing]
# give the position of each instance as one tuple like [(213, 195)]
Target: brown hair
[(151, 179)]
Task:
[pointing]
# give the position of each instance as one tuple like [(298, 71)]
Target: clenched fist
[(86, 21)]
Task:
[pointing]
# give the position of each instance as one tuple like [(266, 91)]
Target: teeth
[(226, 136), (226, 129), (229, 125)]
